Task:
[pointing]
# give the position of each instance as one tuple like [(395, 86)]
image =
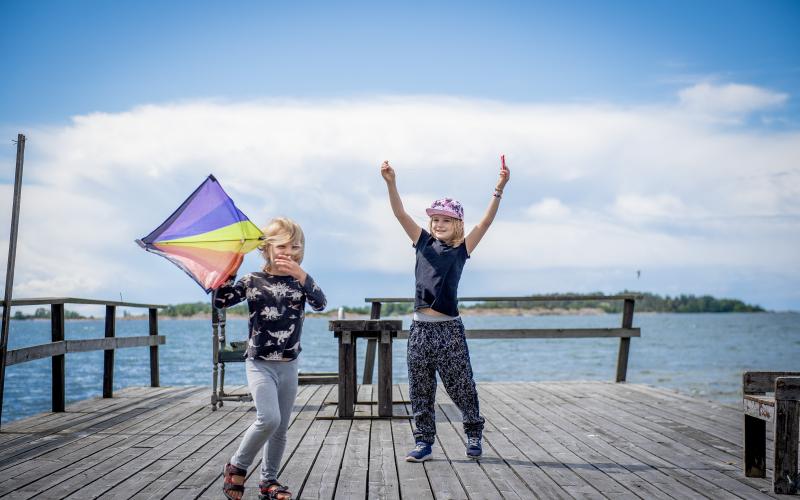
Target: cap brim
[(435, 211)]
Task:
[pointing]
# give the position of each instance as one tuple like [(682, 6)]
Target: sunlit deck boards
[(546, 440)]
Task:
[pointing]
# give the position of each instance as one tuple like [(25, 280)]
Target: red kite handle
[(503, 160)]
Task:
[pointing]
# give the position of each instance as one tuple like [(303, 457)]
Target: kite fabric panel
[(207, 236)]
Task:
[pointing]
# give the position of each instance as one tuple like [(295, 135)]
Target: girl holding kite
[(436, 341), (276, 299)]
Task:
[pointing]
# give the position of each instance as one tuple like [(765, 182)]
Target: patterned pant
[(441, 347)]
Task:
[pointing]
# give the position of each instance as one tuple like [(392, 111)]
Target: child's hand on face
[(286, 265), (387, 172)]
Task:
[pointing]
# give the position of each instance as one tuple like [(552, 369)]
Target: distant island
[(647, 302)]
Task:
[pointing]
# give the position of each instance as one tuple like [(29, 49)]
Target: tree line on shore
[(645, 302)]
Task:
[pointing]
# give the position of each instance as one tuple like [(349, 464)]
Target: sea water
[(702, 355)]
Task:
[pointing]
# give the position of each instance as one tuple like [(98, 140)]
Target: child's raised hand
[(505, 175), (387, 172)]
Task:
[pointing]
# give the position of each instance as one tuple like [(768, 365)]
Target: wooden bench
[(782, 408)]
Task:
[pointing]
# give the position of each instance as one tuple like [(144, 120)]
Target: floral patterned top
[(277, 305)]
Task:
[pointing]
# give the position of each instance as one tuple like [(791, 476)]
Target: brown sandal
[(273, 490), (228, 486)]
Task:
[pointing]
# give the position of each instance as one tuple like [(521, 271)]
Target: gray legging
[(273, 385)]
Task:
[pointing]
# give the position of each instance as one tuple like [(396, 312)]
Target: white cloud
[(548, 208), (730, 98), (592, 185), (636, 206)]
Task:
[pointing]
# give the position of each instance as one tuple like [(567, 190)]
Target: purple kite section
[(207, 208)]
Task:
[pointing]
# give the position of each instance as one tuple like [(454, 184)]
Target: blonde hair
[(458, 231), (280, 231)]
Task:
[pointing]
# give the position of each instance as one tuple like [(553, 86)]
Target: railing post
[(214, 350), (154, 348), (12, 255), (58, 373), (624, 342), (108, 354), (369, 357)]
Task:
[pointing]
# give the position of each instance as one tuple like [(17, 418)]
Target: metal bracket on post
[(386, 337), (347, 337)]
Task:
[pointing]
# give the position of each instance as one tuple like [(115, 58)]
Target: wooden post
[(786, 432), (154, 348), (222, 318), (347, 369), (12, 255), (369, 357), (625, 342), (385, 374), (59, 372), (214, 350), (755, 447), (108, 354)]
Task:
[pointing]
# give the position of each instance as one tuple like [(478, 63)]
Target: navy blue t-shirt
[(438, 271)]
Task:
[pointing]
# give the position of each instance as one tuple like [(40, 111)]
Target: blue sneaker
[(474, 449), (420, 453)]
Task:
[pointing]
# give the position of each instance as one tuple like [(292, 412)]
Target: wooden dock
[(542, 440)]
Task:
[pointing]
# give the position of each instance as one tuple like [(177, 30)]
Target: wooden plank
[(58, 399), (489, 477), (570, 453), (347, 374), (321, 480), (528, 471), (41, 301), (683, 423), (73, 460), (755, 451), (301, 460), (693, 460), (188, 461), (642, 478), (384, 393), (550, 440), (528, 438), (624, 343), (688, 484), (787, 432), (673, 440), (153, 323), (382, 477), (412, 477), (442, 478), (59, 348), (64, 430), (529, 298), (205, 467), (352, 481), (108, 355), (761, 382), (787, 388), (762, 407), (146, 467), (544, 333)]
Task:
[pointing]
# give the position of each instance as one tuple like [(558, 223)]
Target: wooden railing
[(59, 347), (624, 333)]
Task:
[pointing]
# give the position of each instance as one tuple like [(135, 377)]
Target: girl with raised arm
[(436, 341)]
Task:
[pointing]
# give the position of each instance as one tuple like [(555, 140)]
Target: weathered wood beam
[(60, 348)]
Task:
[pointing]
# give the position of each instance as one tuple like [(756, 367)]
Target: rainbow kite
[(207, 236)]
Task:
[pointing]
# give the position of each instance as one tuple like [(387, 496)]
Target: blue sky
[(660, 136)]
